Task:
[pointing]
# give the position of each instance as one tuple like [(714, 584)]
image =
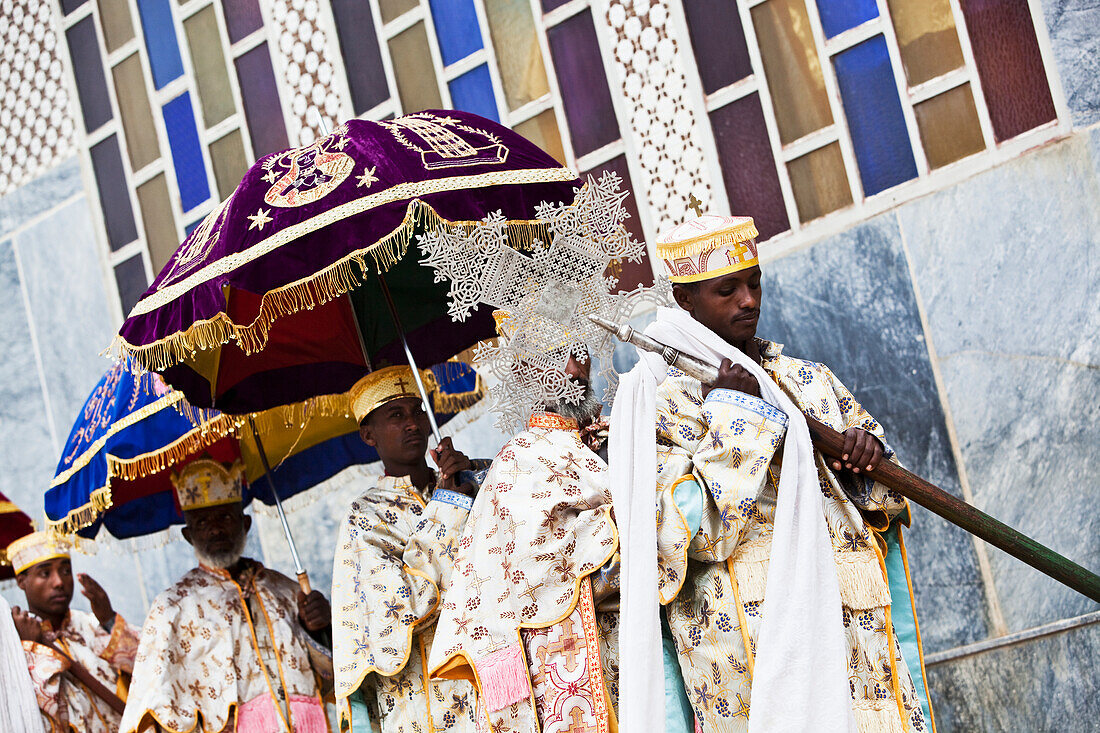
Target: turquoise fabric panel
[(679, 717), (901, 612), (360, 716), (688, 496)]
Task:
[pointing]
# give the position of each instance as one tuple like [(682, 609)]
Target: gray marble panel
[(1045, 685), (68, 300), (40, 195), (1072, 25), (1007, 267), (848, 302)]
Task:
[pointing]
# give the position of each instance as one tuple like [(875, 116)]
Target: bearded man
[(393, 561), (769, 561), (531, 614), (55, 637), (230, 646)]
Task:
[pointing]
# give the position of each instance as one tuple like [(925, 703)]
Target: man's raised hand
[(862, 452), (735, 377), (97, 599), (314, 611)]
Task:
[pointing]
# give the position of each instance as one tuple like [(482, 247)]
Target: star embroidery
[(341, 143), (259, 219), (271, 176), (367, 178)]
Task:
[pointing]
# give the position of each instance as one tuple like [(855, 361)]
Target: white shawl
[(800, 682), (20, 709)]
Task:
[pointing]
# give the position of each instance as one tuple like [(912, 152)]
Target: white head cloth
[(20, 709), (800, 682)]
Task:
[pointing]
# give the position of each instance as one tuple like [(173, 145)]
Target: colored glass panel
[(519, 58), (362, 54), (456, 29), (473, 92), (242, 17), (69, 6), (819, 182), (792, 68), (159, 223), (160, 41), (583, 83), (208, 60), (230, 162), (131, 281), (142, 144), (91, 83), (875, 118), (718, 40), (114, 196), (392, 9), (630, 274), (748, 166), (260, 97), (114, 18), (183, 139), (838, 16), (542, 130), (548, 5), (1010, 66), (412, 65), (927, 38), (949, 127)]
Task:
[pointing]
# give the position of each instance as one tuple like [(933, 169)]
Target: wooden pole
[(931, 497), (94, 686)]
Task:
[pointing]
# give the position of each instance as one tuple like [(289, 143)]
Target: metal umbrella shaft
[(303, 576)]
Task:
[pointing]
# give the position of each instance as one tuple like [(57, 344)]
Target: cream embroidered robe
[(66, 704), (393, 557), (524, 617), (729, 444), (233, 653)]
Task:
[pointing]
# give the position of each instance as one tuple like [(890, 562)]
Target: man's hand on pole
[(314, 611), (735, 377), (862, 452), (450, 462)]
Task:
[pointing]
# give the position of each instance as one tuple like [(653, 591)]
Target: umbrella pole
[(409, 356), (303, 576)]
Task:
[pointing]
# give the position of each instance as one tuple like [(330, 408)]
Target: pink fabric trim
[(698, 726), (308, 715), (503, 677), (259, 715)]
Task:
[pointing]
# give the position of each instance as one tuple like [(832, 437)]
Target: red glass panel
[(631, 274)]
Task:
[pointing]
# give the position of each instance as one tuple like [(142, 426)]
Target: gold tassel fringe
[(873, 719), (705, 242), (861, 583)]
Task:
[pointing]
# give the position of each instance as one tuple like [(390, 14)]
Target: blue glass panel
[(456, 28), (840, 15), (160, 40), (473, 92), (183, 139), (875, 119), (191, 227)]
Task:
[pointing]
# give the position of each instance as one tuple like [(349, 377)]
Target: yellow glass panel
[(792, 68), (819, 182), (949, 127), (519, 57), (160, 225), (542, 130), (211, 76), (391, 9), (412, 65), (927, 38), (230, 162), (114, 16), (137, 117)]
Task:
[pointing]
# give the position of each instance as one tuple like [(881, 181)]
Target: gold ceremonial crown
[(380, 387), (36, 547), (206, 482), (708, 246)]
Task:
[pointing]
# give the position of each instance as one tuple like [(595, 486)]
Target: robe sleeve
[(432, 548), (46, 667), (121, 646)]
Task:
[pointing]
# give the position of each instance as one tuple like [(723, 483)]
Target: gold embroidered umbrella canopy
[(277, 295)]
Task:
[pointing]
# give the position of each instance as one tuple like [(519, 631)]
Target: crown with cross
[(379, 387), (708, 246), (205, 482)]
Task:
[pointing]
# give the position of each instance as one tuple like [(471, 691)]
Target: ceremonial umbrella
[(13, 525), (291, 263)]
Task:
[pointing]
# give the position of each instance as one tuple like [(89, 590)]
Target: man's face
[(578, 370), (398, 430), (48, 586), (217, 531), (728, 305)]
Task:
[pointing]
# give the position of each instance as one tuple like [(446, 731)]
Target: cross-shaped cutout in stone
[(695, 205), (577, 724)]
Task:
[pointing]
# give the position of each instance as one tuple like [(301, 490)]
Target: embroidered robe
[(531, 614), (713, 582), (393, 558), (222, 654), (65, 703)]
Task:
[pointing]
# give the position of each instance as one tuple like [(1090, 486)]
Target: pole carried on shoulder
[(831, 443)]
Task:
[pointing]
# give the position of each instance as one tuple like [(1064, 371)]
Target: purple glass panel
[(261, 101), (748, 167), (362, 56), (1010, 66), (243, 17), (130, 277), (91, 84), (583, 84), (548, 5), (718, 40), (114, 196), (632, 274), (68, 6)]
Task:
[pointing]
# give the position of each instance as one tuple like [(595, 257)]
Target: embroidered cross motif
[(577, 724), (566, 645), (530, 592)]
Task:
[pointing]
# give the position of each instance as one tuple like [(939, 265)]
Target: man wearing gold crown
[(55, 637), (229, 647), (531, 613), (393, 561), (769, 563)]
